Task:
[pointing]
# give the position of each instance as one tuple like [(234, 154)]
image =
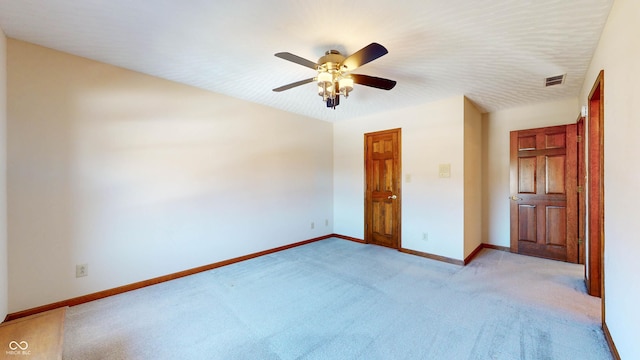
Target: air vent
[(554, 80)]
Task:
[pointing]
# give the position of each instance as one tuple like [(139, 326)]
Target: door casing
[(595, 197)]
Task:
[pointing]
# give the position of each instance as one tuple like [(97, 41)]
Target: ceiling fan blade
[(292, 85), (297, 59), (376, 82), (364, 55)]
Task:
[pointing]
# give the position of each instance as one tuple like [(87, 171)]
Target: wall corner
[(4, 268)]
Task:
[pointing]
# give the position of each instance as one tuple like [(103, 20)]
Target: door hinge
[(579, 138), (580, 241), (580, 189)]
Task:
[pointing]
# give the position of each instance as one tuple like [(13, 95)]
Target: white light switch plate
[(444, 170)]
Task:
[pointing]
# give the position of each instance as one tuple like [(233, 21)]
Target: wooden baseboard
[(348, 238), (138, 285), (466, 261), (473, 254), (612, 345), (432, 256), (496, 247)]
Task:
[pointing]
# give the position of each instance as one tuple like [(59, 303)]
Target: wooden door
[(382, 188), (544, 198)]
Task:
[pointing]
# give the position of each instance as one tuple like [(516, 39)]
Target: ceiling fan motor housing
[(331, 60)]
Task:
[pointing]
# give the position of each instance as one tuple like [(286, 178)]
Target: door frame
[(595, 197), (582, 198), (368, 228)]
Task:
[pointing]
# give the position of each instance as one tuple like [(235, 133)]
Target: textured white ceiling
[(496, 52)]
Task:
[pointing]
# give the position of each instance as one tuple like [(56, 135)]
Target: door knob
[(515, 198), (392, 197)]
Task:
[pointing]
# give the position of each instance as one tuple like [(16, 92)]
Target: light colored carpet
[(336, 299)]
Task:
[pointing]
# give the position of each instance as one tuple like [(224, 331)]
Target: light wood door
[(544, 198), (382, 190)]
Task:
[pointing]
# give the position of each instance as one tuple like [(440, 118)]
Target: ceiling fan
[(334, 76)]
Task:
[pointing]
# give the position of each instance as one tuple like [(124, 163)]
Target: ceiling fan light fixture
[(334, 76), (325, 78), (345, 86), (326, 84)]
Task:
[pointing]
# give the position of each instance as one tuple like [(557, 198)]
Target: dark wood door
[(382, 190), (544, 198)]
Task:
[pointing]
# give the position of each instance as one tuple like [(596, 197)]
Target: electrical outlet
[(425, 237), (82, 270), (313, 225), (326, 222)]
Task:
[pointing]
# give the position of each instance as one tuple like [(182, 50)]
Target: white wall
[(472, 178), (618, 53), (4, 276), (141, 177), (432, 134), (495, 150)]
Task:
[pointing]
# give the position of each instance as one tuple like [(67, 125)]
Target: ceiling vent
[(554, 80)]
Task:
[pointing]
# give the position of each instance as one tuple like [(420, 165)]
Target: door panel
[(555, 174), (527, 179), (382, 193), (555, 141), (556, 225), (527, 143), (527, 218), (543, 182)]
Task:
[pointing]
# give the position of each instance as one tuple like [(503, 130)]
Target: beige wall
[(141, 177), (618, 53), (472, 178), (4, 276), (495, 152), (432, 134)]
